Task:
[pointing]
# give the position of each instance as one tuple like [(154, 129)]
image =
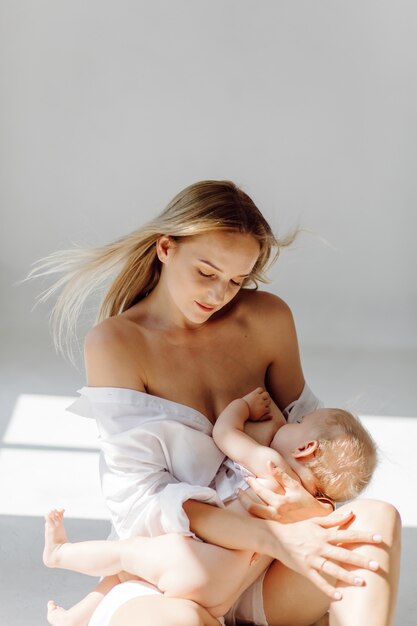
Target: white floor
[(48, 457)]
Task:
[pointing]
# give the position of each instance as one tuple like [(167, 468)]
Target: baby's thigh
[(204, 572)]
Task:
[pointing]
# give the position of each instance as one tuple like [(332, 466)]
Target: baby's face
[(295, 442)]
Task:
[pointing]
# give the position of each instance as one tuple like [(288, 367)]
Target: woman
[(178, 323)]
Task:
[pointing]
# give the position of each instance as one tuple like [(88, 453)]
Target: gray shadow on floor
[(25, 583)]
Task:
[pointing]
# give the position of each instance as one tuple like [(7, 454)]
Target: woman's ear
[(164, 244), (306, 449)]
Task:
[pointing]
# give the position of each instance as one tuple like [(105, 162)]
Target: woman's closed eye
[(205, 275), (234, 282)]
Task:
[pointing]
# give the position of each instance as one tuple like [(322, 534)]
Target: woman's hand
[(284, 498), (314, 547)]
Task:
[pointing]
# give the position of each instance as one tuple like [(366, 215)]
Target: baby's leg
[(179, 566), (94, 558), (81, 613), (183, 567)]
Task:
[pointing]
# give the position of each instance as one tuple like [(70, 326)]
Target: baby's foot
[(57, 616), (259, 402), (55, 536)]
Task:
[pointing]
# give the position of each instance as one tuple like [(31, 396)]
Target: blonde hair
[(132, 263), (346, 457)]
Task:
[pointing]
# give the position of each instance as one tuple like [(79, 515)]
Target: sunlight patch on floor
[(43, 420), (49, 458), (34, 481)]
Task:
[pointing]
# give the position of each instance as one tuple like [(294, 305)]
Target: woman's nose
[(217, 293)]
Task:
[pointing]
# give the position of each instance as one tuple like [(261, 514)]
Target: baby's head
[(330, 450)]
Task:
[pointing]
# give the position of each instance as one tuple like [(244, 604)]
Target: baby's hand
[(259, 402)]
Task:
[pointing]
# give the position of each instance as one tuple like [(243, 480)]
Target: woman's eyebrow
[(218, 269)]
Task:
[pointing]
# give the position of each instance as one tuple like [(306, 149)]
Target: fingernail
[(358, 581), (337, 595), (374, 565), (377, 538)]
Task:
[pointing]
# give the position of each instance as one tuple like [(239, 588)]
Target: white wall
[(109, 108)]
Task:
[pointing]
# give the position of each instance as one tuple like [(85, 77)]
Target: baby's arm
[(229, 435)]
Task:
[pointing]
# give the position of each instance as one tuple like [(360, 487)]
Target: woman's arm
[(278, 341), (301, 546)]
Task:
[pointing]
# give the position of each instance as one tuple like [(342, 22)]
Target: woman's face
[(204, 272)]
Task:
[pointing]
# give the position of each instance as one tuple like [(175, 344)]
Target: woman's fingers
[(281, 476), (254, 508), (337, 536), (345, 535), (322, 584), (327, 566), (335, 519), (336, 553), (268, 496), (353, 536), (339, 573)]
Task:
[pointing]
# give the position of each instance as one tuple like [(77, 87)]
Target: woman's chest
[(205, 373)]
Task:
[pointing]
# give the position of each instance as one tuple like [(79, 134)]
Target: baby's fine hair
[(346, 457), (130, 265)]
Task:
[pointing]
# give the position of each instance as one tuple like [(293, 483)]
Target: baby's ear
[(306, 449)]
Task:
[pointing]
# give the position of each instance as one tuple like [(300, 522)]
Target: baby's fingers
[(265, 396)]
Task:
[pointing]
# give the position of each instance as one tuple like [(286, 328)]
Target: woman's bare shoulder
[(265, 304), (271, 320), (113, 353)]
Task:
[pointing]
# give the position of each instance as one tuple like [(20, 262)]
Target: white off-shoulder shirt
[(156, 454)]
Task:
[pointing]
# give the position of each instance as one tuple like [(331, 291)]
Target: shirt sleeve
[(143, 497), (306, 403), (147, 457)]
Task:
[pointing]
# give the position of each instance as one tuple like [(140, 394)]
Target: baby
[(328, 451)]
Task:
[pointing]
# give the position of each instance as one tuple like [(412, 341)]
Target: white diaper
[(119, 595)]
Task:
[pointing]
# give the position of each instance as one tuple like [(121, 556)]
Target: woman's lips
[(205, 307)]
